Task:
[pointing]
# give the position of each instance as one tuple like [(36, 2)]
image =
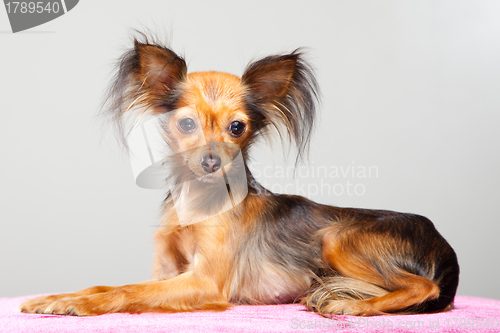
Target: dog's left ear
[(281, 91)]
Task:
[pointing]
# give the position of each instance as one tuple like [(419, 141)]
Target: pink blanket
[(471, 314)]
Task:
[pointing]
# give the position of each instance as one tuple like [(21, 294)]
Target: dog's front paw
[(60, 305), (36, 305)]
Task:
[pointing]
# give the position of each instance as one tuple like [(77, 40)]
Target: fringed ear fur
[(281, 91), (148, 79)]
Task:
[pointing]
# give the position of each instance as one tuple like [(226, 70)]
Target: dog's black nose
[(210, 162)]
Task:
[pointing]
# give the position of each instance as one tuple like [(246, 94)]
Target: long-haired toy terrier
[(224, 239)]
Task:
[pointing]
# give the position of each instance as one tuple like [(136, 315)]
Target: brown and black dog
[(268, 248)]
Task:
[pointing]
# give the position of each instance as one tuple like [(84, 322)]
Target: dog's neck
[(197, 200)]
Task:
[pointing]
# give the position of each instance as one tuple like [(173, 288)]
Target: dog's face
[(211, 126)]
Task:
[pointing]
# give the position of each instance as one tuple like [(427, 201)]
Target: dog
[(256, 247)]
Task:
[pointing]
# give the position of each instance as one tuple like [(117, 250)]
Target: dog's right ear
[(157, 68), (148, 79)]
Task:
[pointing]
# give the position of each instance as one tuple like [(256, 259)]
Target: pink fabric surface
[(471, 314)]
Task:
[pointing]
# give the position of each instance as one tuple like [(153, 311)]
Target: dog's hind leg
[(369, 281)]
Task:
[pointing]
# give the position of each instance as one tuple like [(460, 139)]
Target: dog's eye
[(237, 128), (186, 125)]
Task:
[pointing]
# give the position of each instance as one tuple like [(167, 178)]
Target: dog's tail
[(329, 295)]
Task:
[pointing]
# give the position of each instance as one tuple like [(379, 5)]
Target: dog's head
[(212, 117)]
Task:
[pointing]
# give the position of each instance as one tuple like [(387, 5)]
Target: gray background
[(411, 88)]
